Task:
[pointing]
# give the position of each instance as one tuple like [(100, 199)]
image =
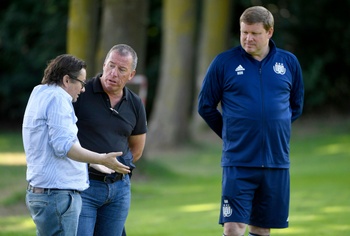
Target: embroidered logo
[(226, 209), (239, 70), (278, 68)]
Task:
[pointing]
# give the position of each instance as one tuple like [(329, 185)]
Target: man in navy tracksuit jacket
[(260, 90)]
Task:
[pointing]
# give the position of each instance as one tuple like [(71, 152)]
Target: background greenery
[(32, 32), (178, 192)]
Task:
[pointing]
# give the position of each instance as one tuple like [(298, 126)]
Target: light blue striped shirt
[(49, 130)]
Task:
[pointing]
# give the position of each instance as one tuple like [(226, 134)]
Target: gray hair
[(124, 50)]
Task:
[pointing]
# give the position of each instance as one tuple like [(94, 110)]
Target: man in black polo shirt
[(110, 117)]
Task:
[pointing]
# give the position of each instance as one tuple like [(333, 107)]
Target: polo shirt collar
[(97, 87)]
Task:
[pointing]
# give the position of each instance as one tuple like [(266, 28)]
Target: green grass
[(11, 142), (177, 193)]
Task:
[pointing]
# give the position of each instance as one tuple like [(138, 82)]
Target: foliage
[(323, 43), (31, 33), (153, 60), (319, 38)]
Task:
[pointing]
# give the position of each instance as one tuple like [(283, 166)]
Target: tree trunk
[(124, 21), (82, 31), (170, 117), (214, 36)]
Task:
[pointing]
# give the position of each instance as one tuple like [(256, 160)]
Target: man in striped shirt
[(56, 163)]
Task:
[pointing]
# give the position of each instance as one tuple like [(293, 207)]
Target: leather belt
[(32, 189), (109, 179)]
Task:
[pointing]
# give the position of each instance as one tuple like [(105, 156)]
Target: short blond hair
[(257, 14)]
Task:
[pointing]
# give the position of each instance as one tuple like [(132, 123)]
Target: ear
[(132, 75), (65, 81), (270, 32)]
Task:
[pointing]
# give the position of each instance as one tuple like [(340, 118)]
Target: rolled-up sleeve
[(62, 128)]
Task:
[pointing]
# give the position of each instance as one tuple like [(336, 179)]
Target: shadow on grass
[(176, 192)]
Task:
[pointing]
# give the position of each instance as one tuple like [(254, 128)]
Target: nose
[(249, 37), (114, 72), (82, 89)]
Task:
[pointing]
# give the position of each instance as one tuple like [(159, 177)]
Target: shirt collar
[(97, 87)]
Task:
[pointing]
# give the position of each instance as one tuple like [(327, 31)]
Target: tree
[(214, 35), (123, 21), (171, 113), (32, 32), (82, 31), (95, 26)]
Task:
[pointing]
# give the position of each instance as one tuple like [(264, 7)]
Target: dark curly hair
[(60, 66)]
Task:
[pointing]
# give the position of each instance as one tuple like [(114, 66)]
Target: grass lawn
[(177, 193)]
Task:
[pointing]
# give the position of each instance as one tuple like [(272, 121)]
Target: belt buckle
[(36, 190), (119, 176), (109, 180)]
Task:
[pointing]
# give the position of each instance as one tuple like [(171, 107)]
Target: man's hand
[(110, 160), (77, 153), (102, 168)]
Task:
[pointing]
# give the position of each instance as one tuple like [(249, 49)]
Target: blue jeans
[(54, 212), (105, 208)]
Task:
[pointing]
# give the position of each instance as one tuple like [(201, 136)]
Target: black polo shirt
[(102, 129)]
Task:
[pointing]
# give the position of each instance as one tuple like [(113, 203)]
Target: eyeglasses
[(83, 84)]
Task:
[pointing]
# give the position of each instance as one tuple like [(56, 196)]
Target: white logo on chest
[(239, 70), (278, 68)]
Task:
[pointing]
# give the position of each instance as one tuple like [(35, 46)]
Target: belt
[(32, 189), (109, 179)]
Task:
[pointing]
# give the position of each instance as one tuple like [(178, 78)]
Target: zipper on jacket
[(262, 119)]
